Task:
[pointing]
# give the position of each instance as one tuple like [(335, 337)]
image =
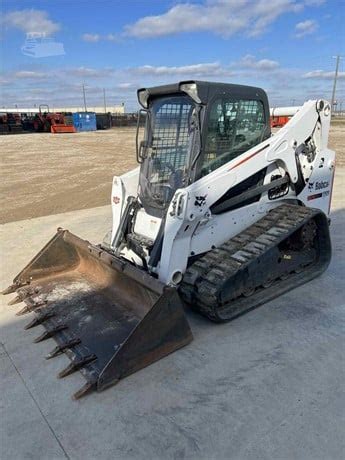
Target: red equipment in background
[(279, 116), (278, 121), (52, 122)]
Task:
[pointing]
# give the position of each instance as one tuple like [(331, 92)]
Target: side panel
[(224, 226), (130, 181), (318, 191)]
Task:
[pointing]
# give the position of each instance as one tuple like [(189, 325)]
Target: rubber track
[(203, 283)]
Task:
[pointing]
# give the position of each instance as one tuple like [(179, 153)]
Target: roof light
[(191, 90)]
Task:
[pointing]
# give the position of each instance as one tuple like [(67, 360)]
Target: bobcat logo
[(310, 185), (200, 200)]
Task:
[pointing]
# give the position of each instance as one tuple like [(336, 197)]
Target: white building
[(115, 109)]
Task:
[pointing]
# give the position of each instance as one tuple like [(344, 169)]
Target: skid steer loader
[(220, 216)]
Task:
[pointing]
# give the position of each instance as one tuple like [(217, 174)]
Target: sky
[(284, 46)]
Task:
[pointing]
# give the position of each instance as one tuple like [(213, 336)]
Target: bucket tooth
[(50, 333), (16, 300), (23, 311), (28, 309), (75, 365), (39, 320), (42, 303), (61, 348), (9, 289), (85, 389), (13, 287), (22, 295)]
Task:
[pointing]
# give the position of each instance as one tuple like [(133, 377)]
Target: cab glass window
[(234, 126)]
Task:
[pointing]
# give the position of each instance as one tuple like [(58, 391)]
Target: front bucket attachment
[(108, 316)]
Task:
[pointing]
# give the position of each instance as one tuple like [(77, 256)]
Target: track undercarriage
[(284, 249)]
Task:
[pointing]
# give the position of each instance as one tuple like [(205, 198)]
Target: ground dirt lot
[(45, 174)]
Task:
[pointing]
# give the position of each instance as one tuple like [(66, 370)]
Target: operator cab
[(193, 128)]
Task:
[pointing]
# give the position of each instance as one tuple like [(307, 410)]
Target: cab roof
[(205, 91)]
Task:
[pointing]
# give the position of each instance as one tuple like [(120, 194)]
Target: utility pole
[(335, 79), (105, 104), (84, 98)]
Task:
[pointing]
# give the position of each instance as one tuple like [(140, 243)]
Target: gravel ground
[(45, 174)]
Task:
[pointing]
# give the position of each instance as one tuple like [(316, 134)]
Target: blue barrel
[(84, 121)]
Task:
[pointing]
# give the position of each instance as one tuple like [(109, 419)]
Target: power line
[(335, 80)]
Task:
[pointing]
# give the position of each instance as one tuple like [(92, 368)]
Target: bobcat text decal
[(322, 184), (318, 185)]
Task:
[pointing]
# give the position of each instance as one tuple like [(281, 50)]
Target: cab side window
[(234, 126)]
